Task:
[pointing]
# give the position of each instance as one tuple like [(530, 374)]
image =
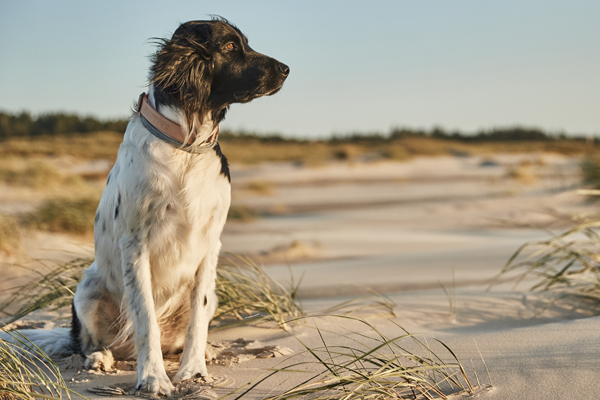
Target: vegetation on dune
[(567, 263), (370, 365), (10, 235), (246, 293), (24, 124), (358, 365), (34, 174), (89, 138), (27, 373), (95, 145), (590, 168), (250, 149), (63, 215)]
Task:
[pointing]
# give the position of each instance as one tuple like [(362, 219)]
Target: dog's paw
[(185, 373), (155, 383), (99, 360)]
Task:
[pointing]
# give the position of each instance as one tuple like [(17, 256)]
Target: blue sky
[(355, 66)]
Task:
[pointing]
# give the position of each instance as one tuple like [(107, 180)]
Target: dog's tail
[(56, 342)]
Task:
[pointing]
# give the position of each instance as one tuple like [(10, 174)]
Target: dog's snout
[(284, 69)]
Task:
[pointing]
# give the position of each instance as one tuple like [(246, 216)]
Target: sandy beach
[(406, 230)]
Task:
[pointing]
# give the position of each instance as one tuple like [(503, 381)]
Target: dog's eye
[(229, 46)]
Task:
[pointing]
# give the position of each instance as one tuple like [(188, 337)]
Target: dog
[(151, 289)]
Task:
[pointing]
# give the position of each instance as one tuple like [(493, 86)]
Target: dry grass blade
[(246, 293), (53, 289), (26, 372), (373, 366), (376, 300), (567, 263)]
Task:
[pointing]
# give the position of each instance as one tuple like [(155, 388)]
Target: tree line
[(25, 125)]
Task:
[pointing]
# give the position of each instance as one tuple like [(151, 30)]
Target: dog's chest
[(206, 194), (190, 232)]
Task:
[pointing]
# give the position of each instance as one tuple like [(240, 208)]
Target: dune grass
[(567, 263), (95, 145), (590, 169), (10, 235), (351, 365), (246, 294), (64, 215), (34, 174), (261, 188), (50, 288), (371, 365), (27, 373)]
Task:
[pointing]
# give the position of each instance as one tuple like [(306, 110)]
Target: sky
[(365, 66)]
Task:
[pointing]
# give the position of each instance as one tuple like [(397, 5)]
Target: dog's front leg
[(203, 305), (152, 377)]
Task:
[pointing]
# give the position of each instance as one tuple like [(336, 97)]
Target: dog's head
[(208, 65)]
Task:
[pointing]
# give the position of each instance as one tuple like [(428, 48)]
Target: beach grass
[(246, 293), (254, 149), (261, 188), (51, 287), (74, 216), (34, 174), (27, 373), (364, 363), (10, 235), (359, 363), (590, 170), (568, 263)]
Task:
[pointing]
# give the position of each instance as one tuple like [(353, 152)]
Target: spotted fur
[(151, 288)]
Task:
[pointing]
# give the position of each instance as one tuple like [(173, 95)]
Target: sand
[(404, 229)]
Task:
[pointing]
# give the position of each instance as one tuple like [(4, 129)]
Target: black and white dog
[(151, 289)]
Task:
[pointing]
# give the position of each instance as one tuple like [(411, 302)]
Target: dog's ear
[(182, 70)]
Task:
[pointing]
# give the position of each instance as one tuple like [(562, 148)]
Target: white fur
[(55, 342), (157, 243), (151, 288)]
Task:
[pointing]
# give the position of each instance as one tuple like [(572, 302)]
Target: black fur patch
[(76, 332), (208, 65), (117, 207), (224, 163), (205, 301)]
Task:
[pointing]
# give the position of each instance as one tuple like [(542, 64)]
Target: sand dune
[(402, 229)]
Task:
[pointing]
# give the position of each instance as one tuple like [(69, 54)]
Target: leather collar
[(170, 132)]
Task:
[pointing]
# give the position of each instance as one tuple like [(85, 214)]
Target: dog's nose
[(284, 69)]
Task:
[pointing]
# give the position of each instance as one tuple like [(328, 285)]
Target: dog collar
[(170, 132)]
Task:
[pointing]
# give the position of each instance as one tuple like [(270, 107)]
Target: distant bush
[(63, 215), (590, 169), (10, 235)]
